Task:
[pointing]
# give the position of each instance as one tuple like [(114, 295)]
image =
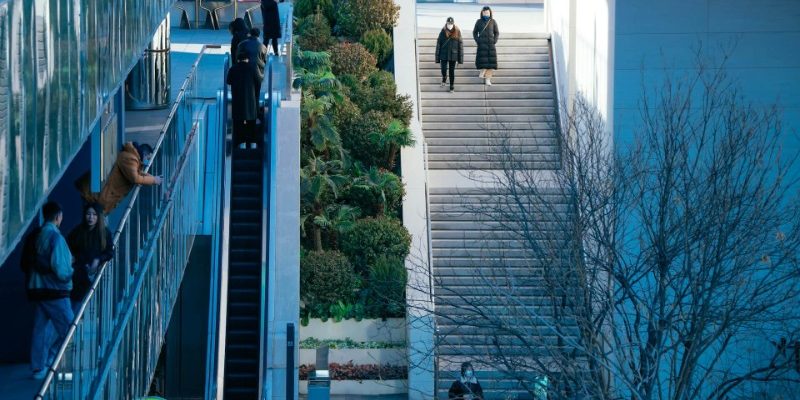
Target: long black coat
[(459, 389), (238, 34), (486, 35), (271, 19), (86, 253), (450, 49), (243, 79)]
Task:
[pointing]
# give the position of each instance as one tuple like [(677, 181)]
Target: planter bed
[(371, 387), (358, 356), (389, 330)]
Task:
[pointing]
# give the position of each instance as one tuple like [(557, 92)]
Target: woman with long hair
[(449, 51), (91, 245)]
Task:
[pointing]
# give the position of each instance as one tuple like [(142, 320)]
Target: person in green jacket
[(49, 287)]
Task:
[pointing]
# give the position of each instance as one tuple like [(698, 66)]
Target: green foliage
[(304, 8), (379, 92), (387, 287), (352, 58), (346, 114), (348, 343), (376, 192), (314, 33), (326, 278), (354, 17), (320, 181), (371, 238), (391, 140), (379, 43), (356, 139)]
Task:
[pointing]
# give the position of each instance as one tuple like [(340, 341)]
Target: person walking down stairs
[(449, 51), (486, 34)]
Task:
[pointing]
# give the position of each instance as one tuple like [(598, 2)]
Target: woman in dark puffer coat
[(486, 34), (449, 51)]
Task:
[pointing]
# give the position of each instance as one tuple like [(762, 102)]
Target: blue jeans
[(45, 345)]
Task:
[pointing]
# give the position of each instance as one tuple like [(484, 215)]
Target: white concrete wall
[(420, 333), (583, 49), (655, 37)]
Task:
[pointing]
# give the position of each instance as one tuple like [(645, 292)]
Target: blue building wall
[(60, 61)]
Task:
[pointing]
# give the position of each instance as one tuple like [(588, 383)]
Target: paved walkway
[(510, 18)]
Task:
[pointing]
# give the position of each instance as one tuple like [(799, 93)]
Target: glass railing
[(113, 346), (60, 61)]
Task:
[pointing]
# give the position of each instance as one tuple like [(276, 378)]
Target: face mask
[(450, 27), (468, 374), (485, 17)]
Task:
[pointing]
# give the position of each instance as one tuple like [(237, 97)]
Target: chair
[(185, 24), (254, 6), (212, 11)]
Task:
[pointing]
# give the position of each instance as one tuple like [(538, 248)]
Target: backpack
[(29, 255)]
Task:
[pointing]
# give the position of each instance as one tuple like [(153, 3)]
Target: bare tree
[(655, 268)]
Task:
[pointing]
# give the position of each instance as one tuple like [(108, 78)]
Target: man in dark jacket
[(244, 105), (49, 287), (486, 34), (449, 50), (272, 23), (256, 53)]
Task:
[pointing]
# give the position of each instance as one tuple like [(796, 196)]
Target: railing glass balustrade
[(112, 350)]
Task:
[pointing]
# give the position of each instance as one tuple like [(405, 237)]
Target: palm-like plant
[(319, 180), (335, 219), (381, 183), (317, 124), (395, 137)]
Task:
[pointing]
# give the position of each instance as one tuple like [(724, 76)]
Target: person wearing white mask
[(486, 34), (449, 51), (467, 386)]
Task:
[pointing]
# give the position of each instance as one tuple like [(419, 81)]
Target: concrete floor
[(520, 18)]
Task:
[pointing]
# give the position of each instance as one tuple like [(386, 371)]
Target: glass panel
[(59, 62)]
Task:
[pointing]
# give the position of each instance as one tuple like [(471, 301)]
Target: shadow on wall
[(15, 309)]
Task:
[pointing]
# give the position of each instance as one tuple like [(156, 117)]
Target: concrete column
[(148, 84), (419, 293)]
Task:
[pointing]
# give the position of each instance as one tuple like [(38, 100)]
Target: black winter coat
[(256, 53), (450, 49), (271, 18), (486, 35), (86, 253), (238, 34), (459, 390), (243, 79)]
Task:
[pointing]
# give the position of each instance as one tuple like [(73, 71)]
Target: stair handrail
[(100, 277), (217, 310)]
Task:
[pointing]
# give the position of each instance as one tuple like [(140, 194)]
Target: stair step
[(430, 57), (446, 109), (498, 88), (490, 103), (469, 51), (498, 118), (504, 71), (545, 92)]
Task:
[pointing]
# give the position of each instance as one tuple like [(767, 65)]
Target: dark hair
[(255, 32), (486, 8), (464, 367), (143, 149), (51, 210), (84, 235)]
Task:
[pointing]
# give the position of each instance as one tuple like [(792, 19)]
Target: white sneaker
[(488, 82), (441, 84), (253, 145), (481, 74)]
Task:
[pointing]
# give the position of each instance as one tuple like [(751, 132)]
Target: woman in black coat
[(272, 23), (449, 51), (239, 33), (467, 386), (486, 35), (91, 245)]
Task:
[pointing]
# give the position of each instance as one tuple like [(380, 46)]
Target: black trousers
[(244, 131), (452, 67)]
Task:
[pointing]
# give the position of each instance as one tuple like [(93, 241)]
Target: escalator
[(243, 338)]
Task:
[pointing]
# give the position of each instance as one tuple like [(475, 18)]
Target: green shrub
[(371, 238), (379, 43), (387, 288), (326, 278), (376, 192), (352, 58), (314, 33), (304, 8), (379, 92), (354, 17), (356, 138), (345, 114)]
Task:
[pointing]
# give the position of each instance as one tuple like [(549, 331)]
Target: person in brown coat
[(127, 173)]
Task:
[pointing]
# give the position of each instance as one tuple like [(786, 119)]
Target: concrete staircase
[(472, 128), (473, 244)]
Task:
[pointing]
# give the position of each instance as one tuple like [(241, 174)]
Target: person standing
[(238, 30), (243, 80), (92, 245), (128, 172), (449, 51), (486, 34), (272, 23), (49, 287), (466, 387), (256, 53)]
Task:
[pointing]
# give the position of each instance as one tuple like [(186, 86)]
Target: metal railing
[(112, 347)]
